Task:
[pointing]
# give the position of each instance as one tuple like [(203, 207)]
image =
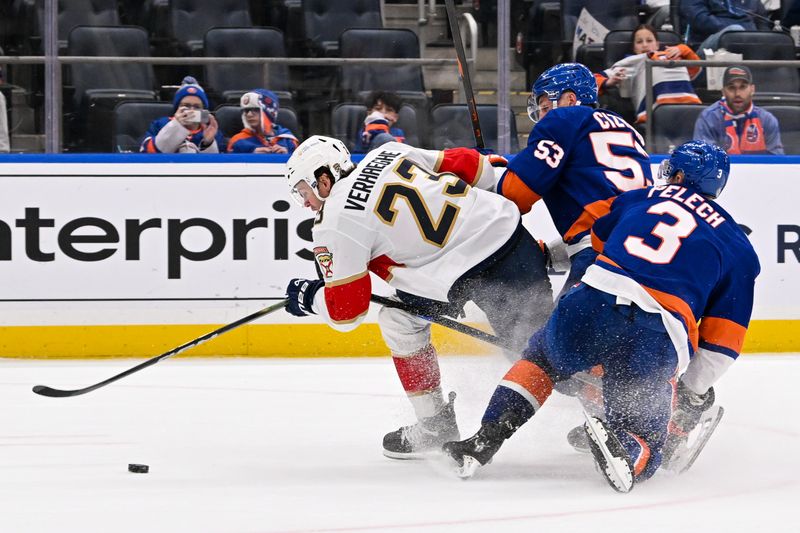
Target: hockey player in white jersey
[(419, 220)]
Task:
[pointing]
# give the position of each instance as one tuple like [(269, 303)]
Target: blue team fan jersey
[(578, 159), (689, 254)]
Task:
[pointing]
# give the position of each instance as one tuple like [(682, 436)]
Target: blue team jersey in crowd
[(578, 159), (689, 254)]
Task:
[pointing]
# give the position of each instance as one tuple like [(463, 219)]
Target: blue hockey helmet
[(705, 167), (554, 81)]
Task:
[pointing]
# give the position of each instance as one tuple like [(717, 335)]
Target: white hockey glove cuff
[(558, 257)]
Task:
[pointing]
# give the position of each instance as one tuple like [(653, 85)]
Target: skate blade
[(413, 456), (616, 470), (468, 469), (687, 453)]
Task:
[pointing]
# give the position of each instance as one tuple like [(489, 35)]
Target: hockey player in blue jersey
[(669, 256), (578, 159)]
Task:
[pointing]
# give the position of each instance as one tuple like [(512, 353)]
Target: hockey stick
[(51, 392), (463, 73), (446, 322)]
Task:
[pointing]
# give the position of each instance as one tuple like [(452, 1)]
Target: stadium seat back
[(131, 120), (189, 20), (380, 43), (789, 120), (325, 20), (451, 126), (765, 45), (673, 125), (231, 80)]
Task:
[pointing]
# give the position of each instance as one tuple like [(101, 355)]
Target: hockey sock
[(522, 391), (645, 463), (420, 377)]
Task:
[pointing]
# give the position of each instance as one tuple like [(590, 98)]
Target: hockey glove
[(494, 159), (557, 256), (690, 407), (300, 293)]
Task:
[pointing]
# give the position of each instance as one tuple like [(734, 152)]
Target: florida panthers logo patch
[(324, 259)]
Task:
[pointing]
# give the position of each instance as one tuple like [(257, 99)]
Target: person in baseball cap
[(734, 123)]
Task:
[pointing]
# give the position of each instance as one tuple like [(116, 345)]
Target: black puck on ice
[(138, 469)]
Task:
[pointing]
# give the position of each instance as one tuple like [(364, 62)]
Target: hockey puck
[(138, 469)]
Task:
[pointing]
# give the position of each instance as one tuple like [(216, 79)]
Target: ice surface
[(294, 445)]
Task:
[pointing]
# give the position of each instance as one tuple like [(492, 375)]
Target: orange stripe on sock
[(532, 378), (723, 332), (644, 457)]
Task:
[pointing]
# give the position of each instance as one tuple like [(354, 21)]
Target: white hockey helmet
[(314, 153)]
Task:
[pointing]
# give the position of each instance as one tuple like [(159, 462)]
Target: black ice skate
[(427, 435), (478, 450), (609, 455)]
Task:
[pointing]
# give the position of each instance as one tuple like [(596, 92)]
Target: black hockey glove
[(300, 293), (690, 407)]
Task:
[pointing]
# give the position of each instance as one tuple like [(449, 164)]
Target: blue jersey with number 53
[(578, 159)]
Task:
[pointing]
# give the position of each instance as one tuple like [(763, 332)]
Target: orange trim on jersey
[(670, 302), (150, 146), (382, 267), (463, 162), (641, 462), (591, 212), (518, 192), (723, 332), (597, 243), (532, 378), (377, 127), (347, 302)]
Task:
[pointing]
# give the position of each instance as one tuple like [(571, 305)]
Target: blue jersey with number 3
[(689, 254), (578, 159)]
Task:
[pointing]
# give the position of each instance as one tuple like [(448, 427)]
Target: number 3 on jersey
[(434, 232), (670, 234)]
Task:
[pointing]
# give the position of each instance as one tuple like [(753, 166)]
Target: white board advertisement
[(80, 238)]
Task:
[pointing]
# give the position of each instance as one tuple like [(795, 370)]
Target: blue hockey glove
[(300, 293)]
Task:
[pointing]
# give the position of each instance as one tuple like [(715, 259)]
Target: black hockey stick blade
[(446, 322), (50, 392), (463, 72)]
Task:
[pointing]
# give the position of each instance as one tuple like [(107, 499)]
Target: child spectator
[(191, 129), (261, 134), (670, 85), (382, 114)]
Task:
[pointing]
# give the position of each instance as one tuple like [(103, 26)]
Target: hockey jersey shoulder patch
[(324, 259)]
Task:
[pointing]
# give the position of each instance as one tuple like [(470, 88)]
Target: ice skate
[(609, 455), (427, 435), (478, 450)]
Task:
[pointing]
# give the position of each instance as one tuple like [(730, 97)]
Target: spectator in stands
[(382, 115), (708, 20), (670, 85), (191, 129), (261, 133), (734, 123)]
